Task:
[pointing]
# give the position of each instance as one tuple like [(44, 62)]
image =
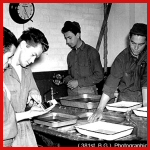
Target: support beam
[(105, 43), (103, 26)]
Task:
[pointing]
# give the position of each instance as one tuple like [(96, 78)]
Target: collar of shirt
[(5, 89), (139, 56), (135, 56), (80, 48), (131, 55), (11, 69)]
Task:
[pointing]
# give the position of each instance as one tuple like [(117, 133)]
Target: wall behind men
[(50, 17)]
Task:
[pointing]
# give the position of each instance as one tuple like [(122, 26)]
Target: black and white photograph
[(75, 74)]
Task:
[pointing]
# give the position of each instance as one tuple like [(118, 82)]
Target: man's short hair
[(73, 27), (34, 36), (9, 39)]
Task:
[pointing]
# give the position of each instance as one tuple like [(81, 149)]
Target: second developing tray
[(56, 119), (86, 101)]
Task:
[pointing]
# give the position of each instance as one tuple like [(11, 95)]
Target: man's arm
[(68, 77), (32, 85), (109, 89), (98, 114), (34, 92)]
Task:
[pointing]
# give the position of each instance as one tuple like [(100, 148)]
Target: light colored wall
[(121, 19), (50, 17)]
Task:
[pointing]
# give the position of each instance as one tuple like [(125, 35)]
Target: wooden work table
[(68, 136)]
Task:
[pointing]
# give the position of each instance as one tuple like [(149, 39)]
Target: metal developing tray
[(56, 119), (87, 105), (86, 101), (83, 98)]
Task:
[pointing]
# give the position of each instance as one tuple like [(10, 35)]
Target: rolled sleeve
[(111, 86), (68, 77), (33, 85), (114, 78)]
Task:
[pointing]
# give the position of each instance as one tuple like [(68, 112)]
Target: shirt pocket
[(84, 68), (13, 92), (129, 78), (70, 65), (13, 95)]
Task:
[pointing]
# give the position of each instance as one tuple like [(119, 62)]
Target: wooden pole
[(105, 42), (103, 26)]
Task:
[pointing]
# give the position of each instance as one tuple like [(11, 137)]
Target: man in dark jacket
[(84, 65), (128, 72)]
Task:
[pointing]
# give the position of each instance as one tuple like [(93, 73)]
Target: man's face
[(29, 54), (7, 56), (71, 39), (137, 44)]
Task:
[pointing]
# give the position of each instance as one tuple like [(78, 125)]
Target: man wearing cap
[(84, 65), (128, 72)]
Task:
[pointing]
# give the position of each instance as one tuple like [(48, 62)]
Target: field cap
[(139, 29)]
